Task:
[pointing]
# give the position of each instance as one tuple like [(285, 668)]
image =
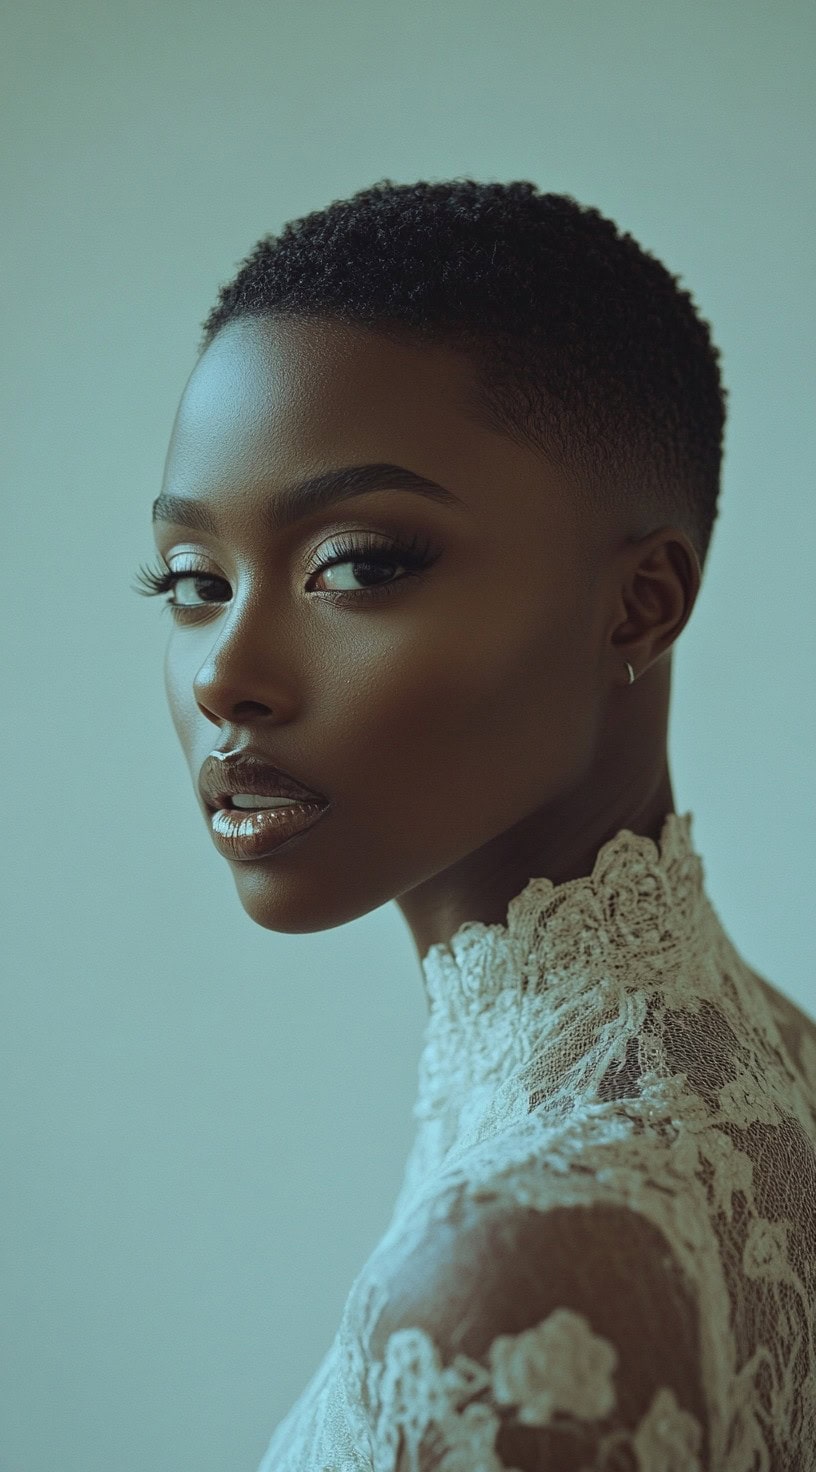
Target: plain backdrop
[(204, 1123)]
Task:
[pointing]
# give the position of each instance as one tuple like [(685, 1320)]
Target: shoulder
[(798, 1030), (538, 1339)]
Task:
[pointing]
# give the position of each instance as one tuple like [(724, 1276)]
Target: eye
[(366, 553), (362, 552)]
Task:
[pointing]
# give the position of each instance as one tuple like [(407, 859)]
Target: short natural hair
[(584, 345)]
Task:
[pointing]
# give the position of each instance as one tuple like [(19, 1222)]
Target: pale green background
[(205, 1123)]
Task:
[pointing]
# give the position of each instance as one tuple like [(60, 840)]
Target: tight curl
[(584, 346)]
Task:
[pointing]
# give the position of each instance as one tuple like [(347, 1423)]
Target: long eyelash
[(154, 580), (364, 550), (369, 551)]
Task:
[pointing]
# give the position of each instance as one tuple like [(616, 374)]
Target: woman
[(436, 508)]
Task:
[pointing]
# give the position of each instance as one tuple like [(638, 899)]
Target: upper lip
[(248, 771)]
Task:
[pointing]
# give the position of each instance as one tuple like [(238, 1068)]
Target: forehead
[(274, 400), (271, 395)]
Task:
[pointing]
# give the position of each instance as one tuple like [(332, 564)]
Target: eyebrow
[(303, 498)]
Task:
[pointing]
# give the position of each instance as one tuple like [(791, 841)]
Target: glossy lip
[(247, 770), (256, 835)]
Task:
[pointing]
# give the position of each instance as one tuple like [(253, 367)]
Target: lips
[(247, 771)]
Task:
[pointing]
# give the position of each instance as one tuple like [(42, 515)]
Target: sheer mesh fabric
[(603, 1251)]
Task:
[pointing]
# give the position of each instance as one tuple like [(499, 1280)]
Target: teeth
[(254, 800)]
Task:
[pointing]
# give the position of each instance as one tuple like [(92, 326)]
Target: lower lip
[(252, 835)]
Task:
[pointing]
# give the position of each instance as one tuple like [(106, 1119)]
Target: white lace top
[(603, 1251)]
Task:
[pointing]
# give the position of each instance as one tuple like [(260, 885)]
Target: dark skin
[(476, 727)]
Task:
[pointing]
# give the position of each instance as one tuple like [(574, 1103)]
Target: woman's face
[(462, 722)]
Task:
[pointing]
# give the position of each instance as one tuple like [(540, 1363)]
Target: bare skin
[(472, 729)]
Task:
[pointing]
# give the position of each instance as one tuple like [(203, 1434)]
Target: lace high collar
[(637, 917), (538, 1008)]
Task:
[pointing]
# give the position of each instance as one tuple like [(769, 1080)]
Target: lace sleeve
[(562, 1341)]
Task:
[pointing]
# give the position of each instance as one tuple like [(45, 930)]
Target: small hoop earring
[(631, 673)]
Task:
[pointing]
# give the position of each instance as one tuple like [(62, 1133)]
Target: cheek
[(171, 689), (184, 712), (525, 664), (495, 714), (538, 728)]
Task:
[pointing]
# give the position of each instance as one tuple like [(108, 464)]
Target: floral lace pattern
[(603, 1251), (558, 1366)]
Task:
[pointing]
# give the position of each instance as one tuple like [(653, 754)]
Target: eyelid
[(415, 555), (400, 527), (413, 550), (182, 552)]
